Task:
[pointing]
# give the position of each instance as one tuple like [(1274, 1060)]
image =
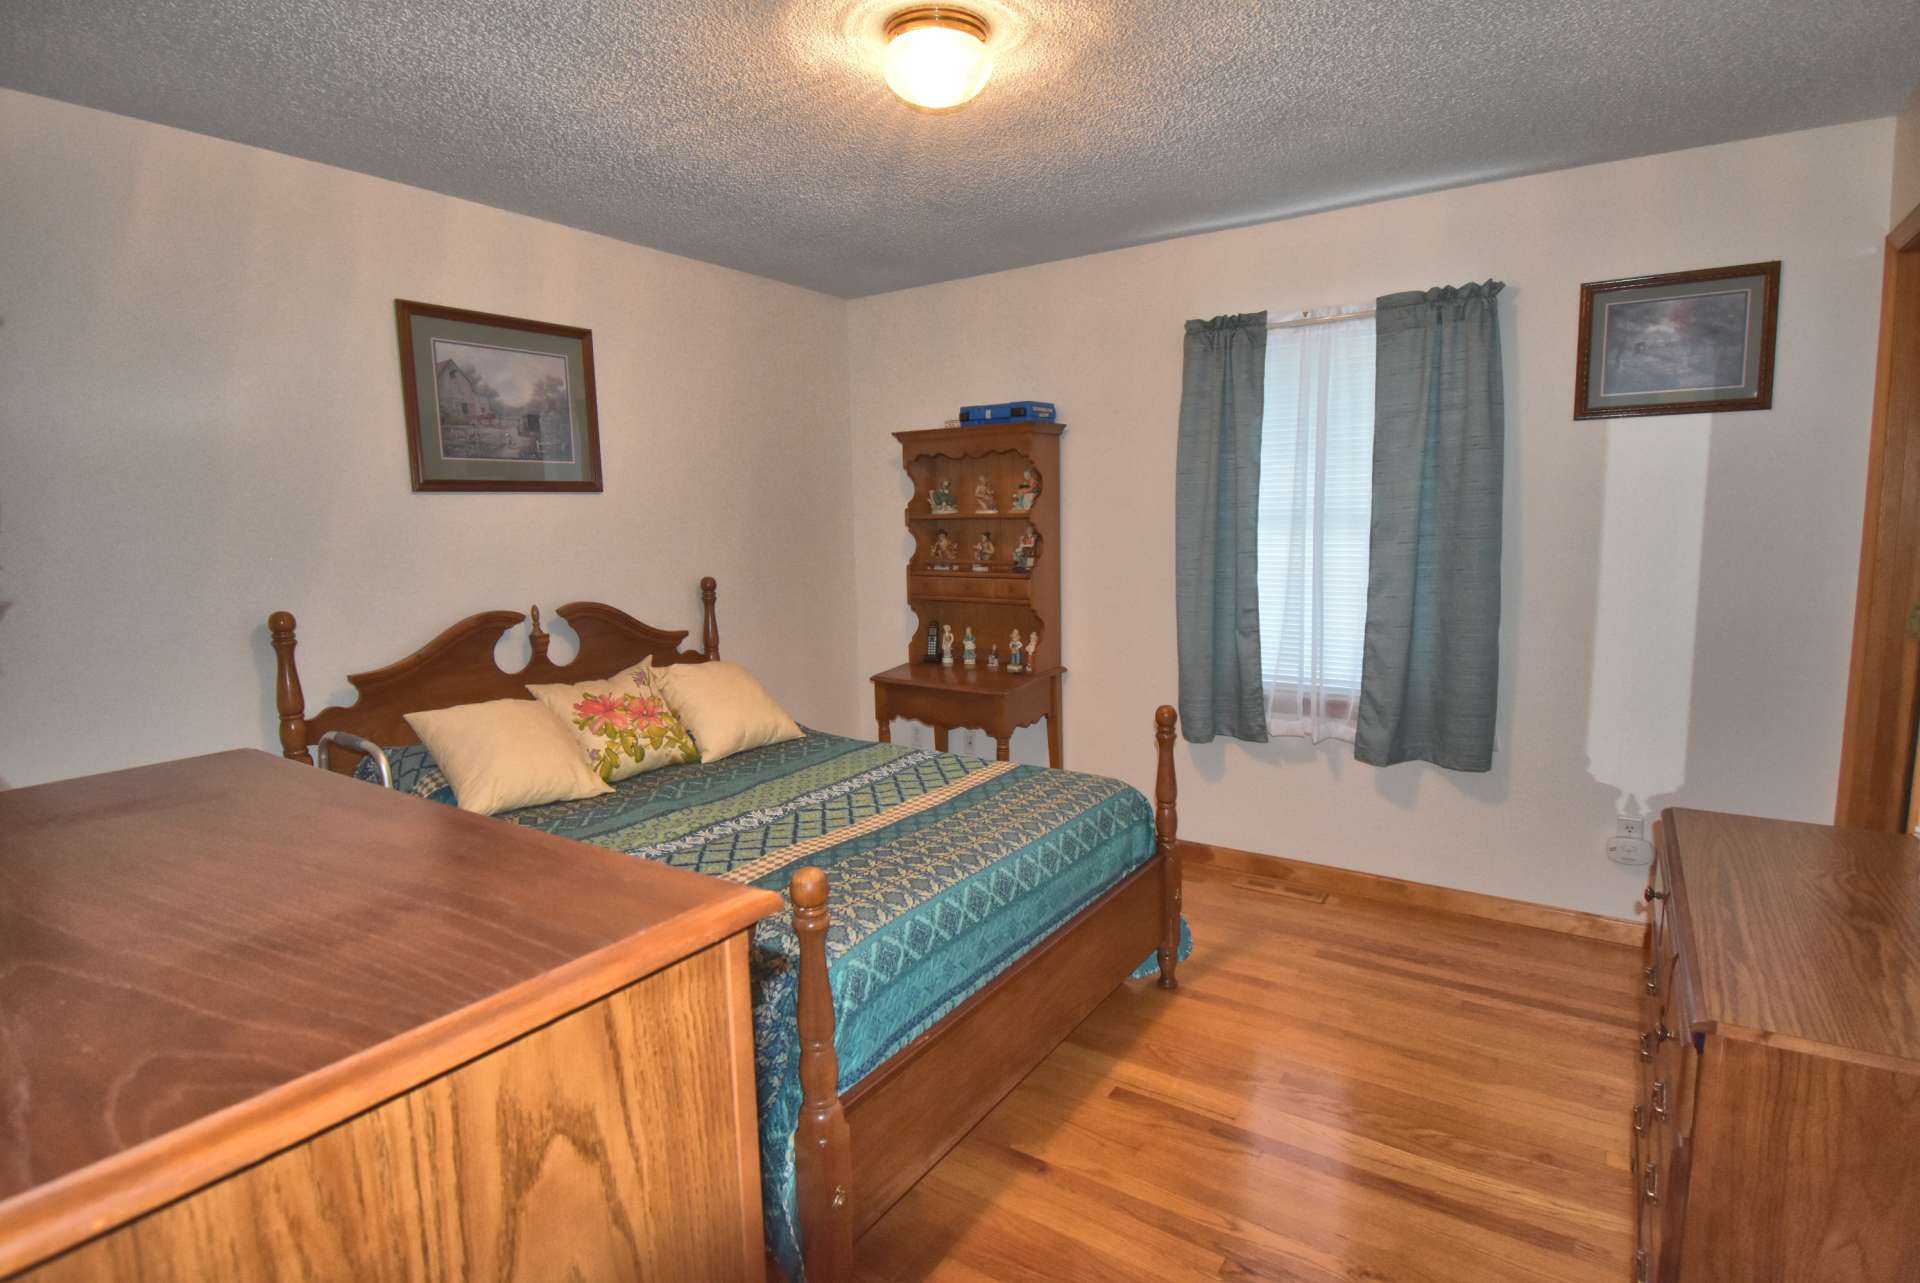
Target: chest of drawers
[(262, 1022), (1777, 1136)]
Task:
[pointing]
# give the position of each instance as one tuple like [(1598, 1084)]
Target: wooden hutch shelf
[(986, 590), (949, 518)]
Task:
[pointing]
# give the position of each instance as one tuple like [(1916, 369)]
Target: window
[(1316, 507)]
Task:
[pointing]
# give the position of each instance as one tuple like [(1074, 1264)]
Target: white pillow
[(723, 707), (506, 754)]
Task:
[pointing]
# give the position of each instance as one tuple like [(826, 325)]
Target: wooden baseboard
[(1373, 886)]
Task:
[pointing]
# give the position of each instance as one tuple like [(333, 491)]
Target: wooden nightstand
[(992, 700)]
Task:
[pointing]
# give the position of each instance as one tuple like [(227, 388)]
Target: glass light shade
[(937, 66)]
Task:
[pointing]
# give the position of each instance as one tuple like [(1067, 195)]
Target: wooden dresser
[(1778, 1137), (263, 1022)]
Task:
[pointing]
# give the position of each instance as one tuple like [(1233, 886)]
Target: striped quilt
[(943, 869)]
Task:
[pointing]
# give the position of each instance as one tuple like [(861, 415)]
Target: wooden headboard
[(458, 667)]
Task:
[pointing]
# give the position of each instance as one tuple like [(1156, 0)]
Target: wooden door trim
[(1883, 693)]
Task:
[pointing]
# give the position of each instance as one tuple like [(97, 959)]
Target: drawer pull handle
[(1653, 1038), (1651, 895), (1653, 978), (1639, 1120), (1652, 1187), (1660, 1098)]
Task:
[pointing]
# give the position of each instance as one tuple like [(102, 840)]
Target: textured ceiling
[(760, 136)]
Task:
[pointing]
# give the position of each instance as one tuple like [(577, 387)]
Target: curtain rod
[(1320, 320)]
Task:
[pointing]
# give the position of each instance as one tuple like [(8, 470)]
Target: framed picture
[(1683, 343), (497, 402)]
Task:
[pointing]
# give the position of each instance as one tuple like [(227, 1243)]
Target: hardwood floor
[(1340, 1090)]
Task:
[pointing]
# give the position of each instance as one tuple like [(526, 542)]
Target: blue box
[(1008, 412)]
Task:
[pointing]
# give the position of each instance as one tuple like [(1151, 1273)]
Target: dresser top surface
[(231, 952), (1800, 929)]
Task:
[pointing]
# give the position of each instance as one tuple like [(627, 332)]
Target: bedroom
[(202, 239)]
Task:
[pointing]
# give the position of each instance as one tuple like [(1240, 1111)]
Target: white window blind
[(1316, 506)]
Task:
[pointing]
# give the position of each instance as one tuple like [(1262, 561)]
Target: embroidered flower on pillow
[(630, 727), (622, 724)]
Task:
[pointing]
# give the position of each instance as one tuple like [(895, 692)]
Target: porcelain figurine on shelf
[(946, 645), (1013, 653), (968, 652), (1026, 550), (1033, 652), (944, 551), (940, 499), (984, 503), (993, 657), (982, 551), (1027, 491)]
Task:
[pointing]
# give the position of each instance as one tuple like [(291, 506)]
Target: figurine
[(1027, 550), (984, 503), (1033, 651), (1013, 653), (940, 498), (993, 657), (1027, 491), (933, 642), (946, 645), (982, 550), (944, 551), (967, 649)]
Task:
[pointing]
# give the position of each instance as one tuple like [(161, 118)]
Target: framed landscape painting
[(1683, 343), (497, 402)]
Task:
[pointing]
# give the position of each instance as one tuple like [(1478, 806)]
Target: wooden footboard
[(855, 1157)]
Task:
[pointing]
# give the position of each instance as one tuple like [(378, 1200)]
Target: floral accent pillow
[(621, 723)]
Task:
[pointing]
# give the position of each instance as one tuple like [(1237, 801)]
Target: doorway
[(1878, 753)]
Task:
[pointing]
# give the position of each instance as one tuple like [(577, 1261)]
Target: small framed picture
[(497, 402), (1683, 343)]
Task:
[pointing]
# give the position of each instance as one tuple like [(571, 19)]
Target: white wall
[(1678, 590), (200, 421)]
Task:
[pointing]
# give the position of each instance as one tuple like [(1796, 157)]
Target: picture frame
[(496, 402), (1697, 342)]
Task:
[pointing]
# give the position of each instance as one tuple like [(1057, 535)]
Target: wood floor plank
[(1339, 1092)]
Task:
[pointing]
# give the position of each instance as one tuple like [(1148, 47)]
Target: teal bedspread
[(943, 871)]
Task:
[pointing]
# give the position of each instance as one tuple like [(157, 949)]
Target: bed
[(951, 918)]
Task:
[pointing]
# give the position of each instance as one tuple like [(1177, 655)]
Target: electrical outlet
[(1629, 844), (1635, 853)]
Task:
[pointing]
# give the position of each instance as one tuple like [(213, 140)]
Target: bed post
[(823, 1158), (710, 635), (287, 696), (1166, 824)]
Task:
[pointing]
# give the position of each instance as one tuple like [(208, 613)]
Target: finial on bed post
[(536, 635), (1166, 824), (823, 1159), (288, 698), (710, 635)]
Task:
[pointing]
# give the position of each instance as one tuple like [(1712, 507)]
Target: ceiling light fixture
[(936, 56)]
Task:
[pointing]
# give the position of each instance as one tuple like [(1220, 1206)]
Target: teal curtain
[(1216, 536), (1431, 670)]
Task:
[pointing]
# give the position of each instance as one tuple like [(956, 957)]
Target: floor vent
[(1267, 886)]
